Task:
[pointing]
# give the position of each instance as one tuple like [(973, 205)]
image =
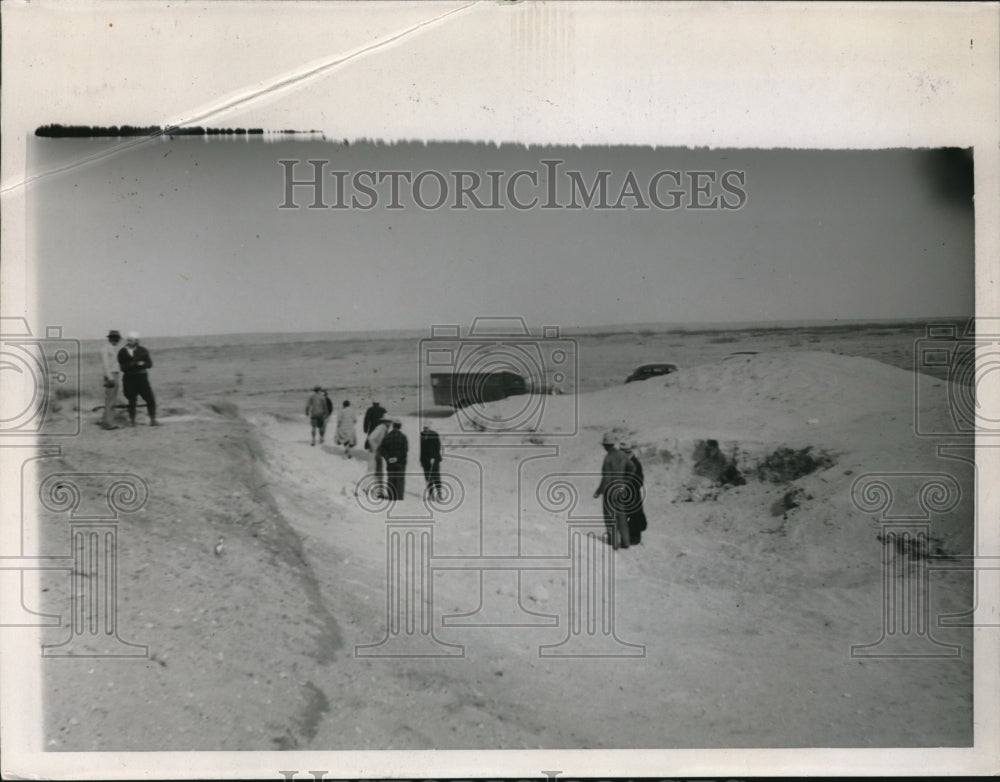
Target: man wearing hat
[(394, 449), (430, 460), (134, 360), (614, 489), (112, 378), (316, 411)]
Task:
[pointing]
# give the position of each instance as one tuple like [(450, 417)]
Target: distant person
[(613, 490), (134, 361), (329, 403), (347, 422), (637, 479), (374, 445), (430, 461), (316, 412), (112, 378), (373, 417), (394, 449)]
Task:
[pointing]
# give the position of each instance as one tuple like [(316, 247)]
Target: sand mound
[(792, 397), (800, 398), (788, 377)]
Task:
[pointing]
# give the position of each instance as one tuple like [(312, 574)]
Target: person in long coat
[(430, 460), (374, 445), (635, 512), (347, 422), (614, 490), (394, 449), (112, 378)]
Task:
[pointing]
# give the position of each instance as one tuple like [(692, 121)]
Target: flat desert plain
[(730, 625)]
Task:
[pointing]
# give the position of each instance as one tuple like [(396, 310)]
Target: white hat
[(132, 335)]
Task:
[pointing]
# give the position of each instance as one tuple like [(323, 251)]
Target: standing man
[(614, 488), (637, 481), (112, 378), (347, 422), (394, 448), (375, 458), (430, 460), (134, 360), (373, 416), (316, 412)]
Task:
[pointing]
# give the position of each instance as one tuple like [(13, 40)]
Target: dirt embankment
[(235, 640)]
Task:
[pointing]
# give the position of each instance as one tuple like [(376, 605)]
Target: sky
[(185, 236)]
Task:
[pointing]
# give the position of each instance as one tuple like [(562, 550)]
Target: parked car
[(461, 389), (647, 371)]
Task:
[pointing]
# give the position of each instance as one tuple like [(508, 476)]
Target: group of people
[(387, 445), (622, 478), (621, 488), (621, 492), (319, 409), (126, 368)]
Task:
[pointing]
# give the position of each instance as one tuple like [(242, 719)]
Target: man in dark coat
[(394, 448), (614, 488), (373, 417), (635, 512), (430, 460), (134, 360)]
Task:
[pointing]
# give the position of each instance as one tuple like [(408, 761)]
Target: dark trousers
[(135, 386), (432, 474), (395, 480), (318, 424), (110, 397)]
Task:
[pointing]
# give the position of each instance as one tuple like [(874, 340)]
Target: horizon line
[(654, 326)]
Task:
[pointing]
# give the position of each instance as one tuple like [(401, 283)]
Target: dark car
[(647, 371), (461, 389)]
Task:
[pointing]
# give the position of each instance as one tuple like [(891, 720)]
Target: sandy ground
[(741, 604)]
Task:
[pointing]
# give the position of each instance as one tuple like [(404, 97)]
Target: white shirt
[(109, 358)]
